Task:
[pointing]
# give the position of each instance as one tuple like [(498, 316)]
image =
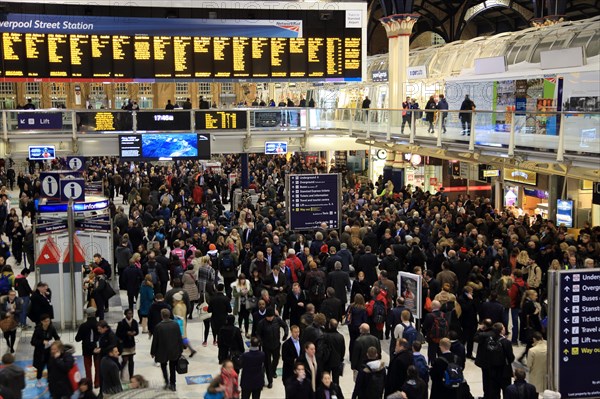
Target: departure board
[(316, 54), (352, 57), (36, 54), (298, 57), (222, 57), (59, 54), (143, 64), (221, 120), (335, 64), (261, 57), (91, 56), (279, 57), (242, 56), (13, 54), (183, 56), (102, 56), (122, 49), (203, 53), (81, 55), (163, 57)]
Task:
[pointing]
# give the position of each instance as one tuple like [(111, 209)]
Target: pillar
[(555, 192), (389, 163), (398, 28), (398, 171), (245, 177)]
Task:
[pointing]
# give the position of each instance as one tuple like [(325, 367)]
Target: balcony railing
[(555, 133)]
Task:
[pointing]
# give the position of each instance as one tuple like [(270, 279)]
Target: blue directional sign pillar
[(72, 189), (574, 332)]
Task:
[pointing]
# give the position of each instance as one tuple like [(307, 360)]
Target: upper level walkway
[(564, 142)]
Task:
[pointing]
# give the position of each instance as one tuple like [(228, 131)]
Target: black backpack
[(317, 287), (453, 375), (378, 312), (494, 352)]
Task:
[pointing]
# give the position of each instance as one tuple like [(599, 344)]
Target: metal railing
[(559, 133)]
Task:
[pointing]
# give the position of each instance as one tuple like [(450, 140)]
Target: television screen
[(169, 146), (41, 152)]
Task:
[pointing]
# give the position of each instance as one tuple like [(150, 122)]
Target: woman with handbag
[(10, 312), (244, 301)]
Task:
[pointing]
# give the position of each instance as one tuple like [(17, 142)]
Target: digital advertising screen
[(41, 152), (130, 146), (165, 146)]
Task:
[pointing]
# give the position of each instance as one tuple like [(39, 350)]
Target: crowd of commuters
[(194, 245)]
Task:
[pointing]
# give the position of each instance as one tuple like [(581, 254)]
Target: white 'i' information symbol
[(50, 186)]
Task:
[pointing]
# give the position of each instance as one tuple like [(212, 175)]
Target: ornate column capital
[(548, 20), (399, 24)]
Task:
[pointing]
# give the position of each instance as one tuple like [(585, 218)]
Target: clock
[(381, 153)]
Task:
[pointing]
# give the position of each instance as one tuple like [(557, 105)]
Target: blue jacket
[(146, 299)]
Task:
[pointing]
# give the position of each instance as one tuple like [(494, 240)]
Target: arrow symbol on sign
[(566, 351), (566, 319), (566, 341), (22, 121), (567, 289), (567, 299), (566, 310), (566, 358), (567, 278), (566, 330)]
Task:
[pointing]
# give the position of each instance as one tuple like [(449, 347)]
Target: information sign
[(220, 120), (312, 200), (576, 338), (276, 147), (38, 121), (72, 189)]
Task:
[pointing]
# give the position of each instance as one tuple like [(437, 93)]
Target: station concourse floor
[(202, 366)]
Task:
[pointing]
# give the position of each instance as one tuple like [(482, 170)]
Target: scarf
[(230, 381)]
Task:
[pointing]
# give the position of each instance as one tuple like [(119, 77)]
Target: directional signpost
[(314, 199), (574, 336)]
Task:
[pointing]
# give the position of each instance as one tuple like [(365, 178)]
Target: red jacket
[(382, 296), (513, 293), (293, 263), (197, 194)]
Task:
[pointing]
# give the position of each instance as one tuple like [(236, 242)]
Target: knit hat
[(91, 311), (212, 247), (178, 296), (98, 270), (324, 248)]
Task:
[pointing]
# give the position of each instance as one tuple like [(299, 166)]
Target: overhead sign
[(50, 186), (379, 76), (220, 120), (164, 121), (354, 19), (72, 189), (520, 176), (313, 200), (491, 173), (575, 339), (39, 121), (76, 163), (41, 152), (564, 213), (276, 147), (416, 72), (596, 193)]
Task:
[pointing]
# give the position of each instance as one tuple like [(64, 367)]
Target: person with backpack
[(494, 357), (435, 327), (404, 330), (315, 283), (370, 380), (6, 280), (446, 375), (521, 389), (400, 360), (229, 269), (377, 310), (516, 294), (420, 363)]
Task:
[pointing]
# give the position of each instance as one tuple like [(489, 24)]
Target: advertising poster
[(564, 213), (410, 288), (505, 101)]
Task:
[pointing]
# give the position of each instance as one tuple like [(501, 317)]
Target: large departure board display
[(55, 56)]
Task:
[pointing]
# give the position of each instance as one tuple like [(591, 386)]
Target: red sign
[(433, 181), (50, 253), (464, 188)]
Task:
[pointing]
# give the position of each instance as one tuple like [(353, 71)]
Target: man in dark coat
[(438, 369), (298, 387), (268, 331), (106, 339), (88, 335), (295, 305), (111, 371), (291, 351), (400, 360), (132, 280), (154, 314), (12, 378), (60, 363), (335, 345), (521, 389), (40, 303), (332, 307), (496, 372), (230, 339), (252, 379), (362, 344), (339, 280), (367, 263), (492, 309), (167, 347), (220, 306)]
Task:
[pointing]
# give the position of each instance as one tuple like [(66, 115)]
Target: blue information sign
[(578, 333), (275, 147), (37, 120), (72, 189), (314, 199), (41, 152)]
